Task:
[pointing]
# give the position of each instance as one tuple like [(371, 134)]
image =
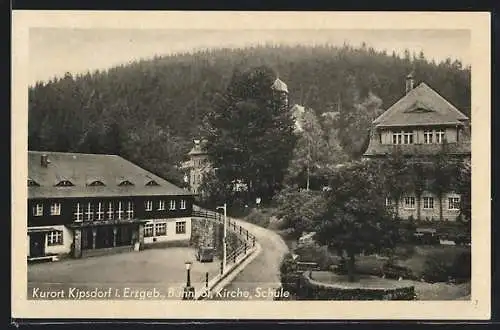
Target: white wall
[(56, 249), (171, 235)]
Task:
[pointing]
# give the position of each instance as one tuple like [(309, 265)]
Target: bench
[(44, 258)]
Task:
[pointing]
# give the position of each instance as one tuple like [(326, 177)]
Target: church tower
[(280, 90)]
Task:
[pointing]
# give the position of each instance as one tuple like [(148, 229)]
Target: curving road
[(261, 276)]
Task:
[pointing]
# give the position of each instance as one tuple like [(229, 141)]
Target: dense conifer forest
[(150, 111)]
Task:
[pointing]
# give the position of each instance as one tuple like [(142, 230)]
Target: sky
[(54, 51)]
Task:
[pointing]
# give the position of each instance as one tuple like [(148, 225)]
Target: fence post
[(245, 248), (206, 280), (240, 230), (253, 241), (222, 267), (247, 234)]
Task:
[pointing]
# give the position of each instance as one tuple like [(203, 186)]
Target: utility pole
[(224, 238), (308, 162)]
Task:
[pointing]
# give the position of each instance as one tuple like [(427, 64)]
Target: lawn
[(149, 269)]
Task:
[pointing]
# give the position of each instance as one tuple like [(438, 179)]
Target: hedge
[(312, 290)]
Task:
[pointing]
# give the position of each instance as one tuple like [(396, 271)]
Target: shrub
[(289, 275), (394, 271), (312, 290), (258, 217), (461, 268), (447, 264), (317, 254)]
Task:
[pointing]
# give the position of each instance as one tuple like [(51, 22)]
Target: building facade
[(418, 125), (83, 204)]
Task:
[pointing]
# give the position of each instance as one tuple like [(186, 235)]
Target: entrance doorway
[(37, 245), (104, 237), (87, 239), (124, 235)]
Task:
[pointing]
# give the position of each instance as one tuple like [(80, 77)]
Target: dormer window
[(64, 183), (32, 183), (126, 183), (96, 183), (152, 183)]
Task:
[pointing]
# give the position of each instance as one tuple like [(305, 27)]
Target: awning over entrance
[(40, 230)]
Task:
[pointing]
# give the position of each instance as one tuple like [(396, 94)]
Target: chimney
[(409, 82), (44, 160)]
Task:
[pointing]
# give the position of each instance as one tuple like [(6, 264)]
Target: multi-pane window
[(427, 137), (409, 202), (38, 210), (183, 204), (55, 237), (148, 230), (428, 202), (388, 201), (99, 211), (172, 204), (55, 209), (397, 138), (119, 211), (408, 137), (130, 210), (110, 211), (161, 229), (454, 203), (149, 205), (161, 205), (89, 212), (180, 227), (78, 212), (440, 136)]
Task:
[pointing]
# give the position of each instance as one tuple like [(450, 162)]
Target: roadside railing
[(247, 245), (242, 232)]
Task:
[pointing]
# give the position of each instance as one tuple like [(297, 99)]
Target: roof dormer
[(64, 183), (32, 183), (95, 183), (151, 183), (125, 183)]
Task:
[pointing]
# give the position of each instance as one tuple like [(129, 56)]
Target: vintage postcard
[(251, 165)]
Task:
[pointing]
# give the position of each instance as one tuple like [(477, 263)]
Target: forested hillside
[(150, 111)]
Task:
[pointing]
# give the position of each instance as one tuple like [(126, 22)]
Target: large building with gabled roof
[(418, 125), (83, 204)]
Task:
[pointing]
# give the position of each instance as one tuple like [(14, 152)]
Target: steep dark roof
[(421, 106), (84, 169)]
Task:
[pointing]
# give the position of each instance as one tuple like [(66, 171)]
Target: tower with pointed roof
[(280, 90), (198, 165)]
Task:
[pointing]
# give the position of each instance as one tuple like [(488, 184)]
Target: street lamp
[(188, 289), (224, 248)]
